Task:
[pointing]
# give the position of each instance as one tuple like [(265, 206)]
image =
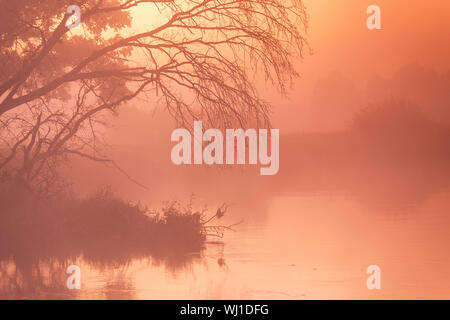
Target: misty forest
[(86, 116)]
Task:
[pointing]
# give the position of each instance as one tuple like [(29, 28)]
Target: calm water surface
[(306, 247)]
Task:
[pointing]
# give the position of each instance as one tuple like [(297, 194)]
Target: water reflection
[(307, 245)]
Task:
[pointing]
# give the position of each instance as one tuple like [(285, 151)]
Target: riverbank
[(101, 228)]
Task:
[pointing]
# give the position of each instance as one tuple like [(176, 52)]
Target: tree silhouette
[(200, 60)]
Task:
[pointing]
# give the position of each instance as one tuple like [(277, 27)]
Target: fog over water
[(364, 179)]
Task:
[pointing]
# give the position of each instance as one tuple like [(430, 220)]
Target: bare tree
[(199, 60)]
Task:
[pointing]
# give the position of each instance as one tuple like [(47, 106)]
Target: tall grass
[(102, 228)]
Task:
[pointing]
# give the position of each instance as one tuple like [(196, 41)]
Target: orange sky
[(413, 31)]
